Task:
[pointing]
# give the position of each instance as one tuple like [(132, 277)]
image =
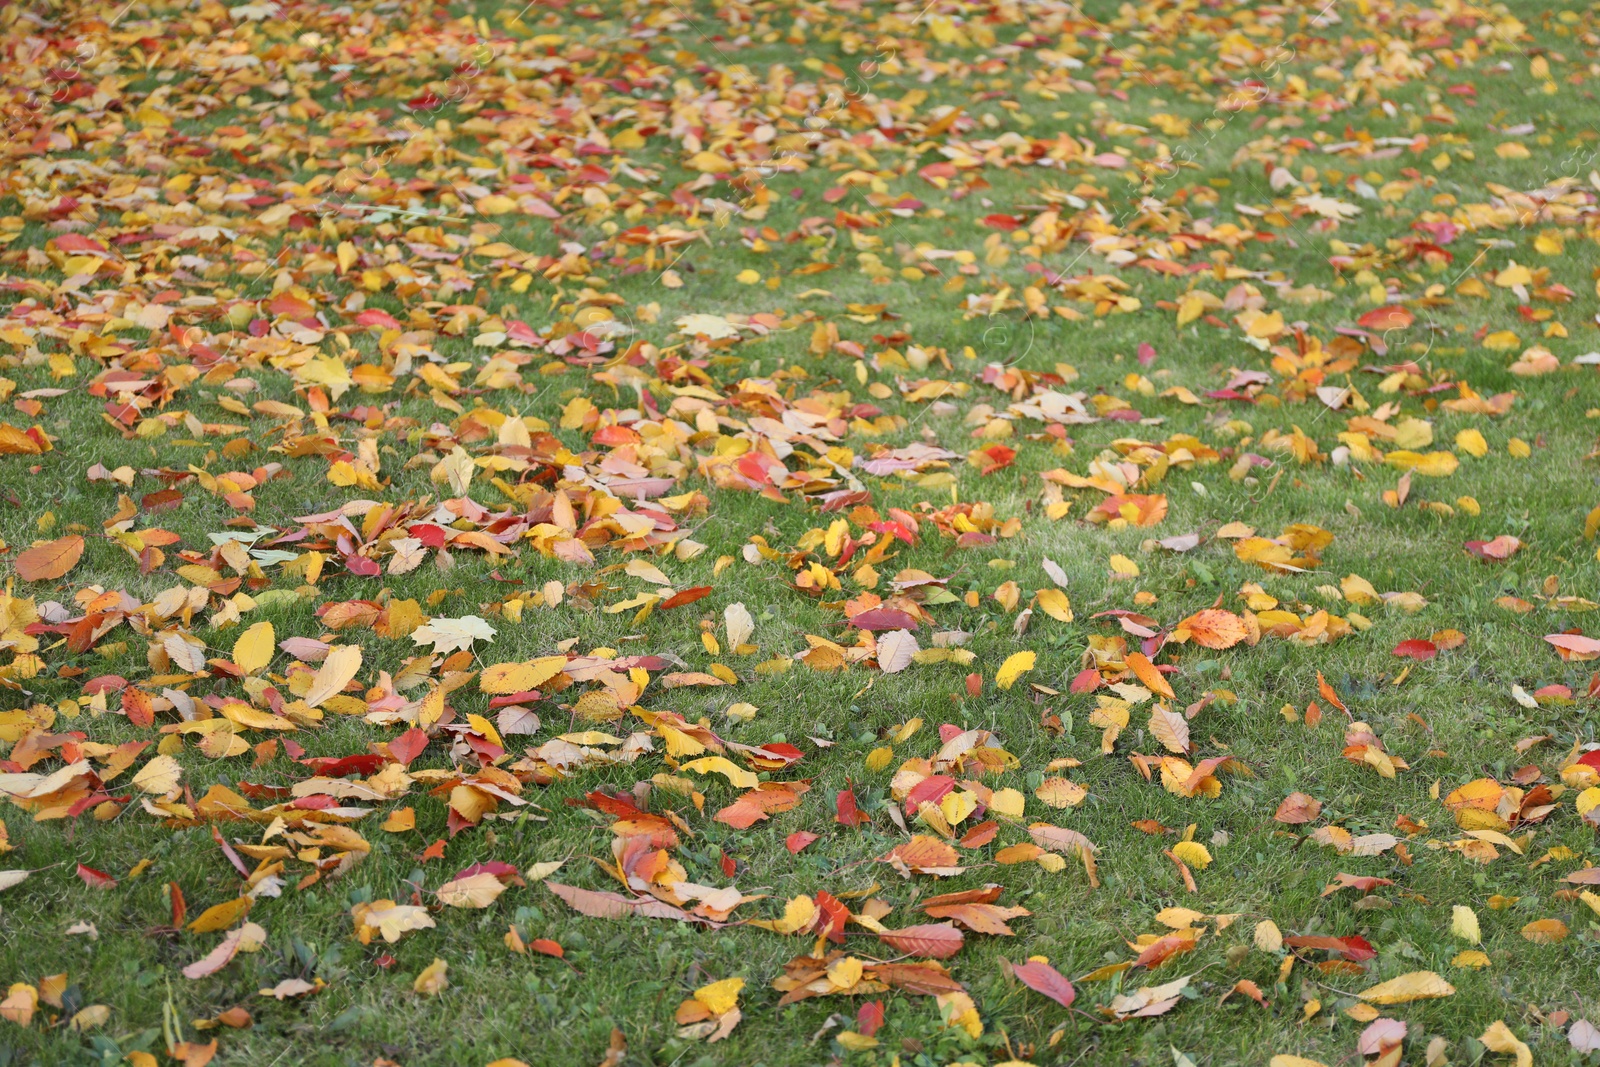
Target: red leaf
[(161, 500), (431, 535), (364, 763), (377, 317), (884, 619), (1002, 222), (408, 746), (1501, 548), (847, 812), (834, 916), (1388, 317), (95, 879), (1355, 948), (1417, 649), (869, 1018), (547, 947), (1045, 979), (228, 851), (797, 841), (687, 596), (1364, 882)]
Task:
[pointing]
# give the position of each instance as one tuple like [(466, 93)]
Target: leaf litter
[(251, 269)]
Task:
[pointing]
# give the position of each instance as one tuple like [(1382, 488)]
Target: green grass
[(1453, 719)]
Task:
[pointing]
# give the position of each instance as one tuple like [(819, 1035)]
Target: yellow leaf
[(1179, 918), (1058, 793), (798, 914), (20, 1003), (735, 774), (1464, 924), (1431, 464), (1514, 274), (1171, 729), (221, 916), (253, 650), (720, 997), (1055, 604), (709, 163), (1016, 665), (1193, 853), (1545, 931), (520, 677), (389, 920), (1418, 985), (845, 972), (160, 776), (432, 981), (1472, 443), (1499, 1038), (1006, 802), (474, 891), (334, 674), (1549, 245)]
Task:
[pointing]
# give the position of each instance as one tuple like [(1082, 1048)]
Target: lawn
[(777, 533)]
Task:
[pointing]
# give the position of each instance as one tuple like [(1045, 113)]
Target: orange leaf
[(935, 940), (1214, 628), (1147, 673), (51, 560), (1298, 808), (1329, 695)]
